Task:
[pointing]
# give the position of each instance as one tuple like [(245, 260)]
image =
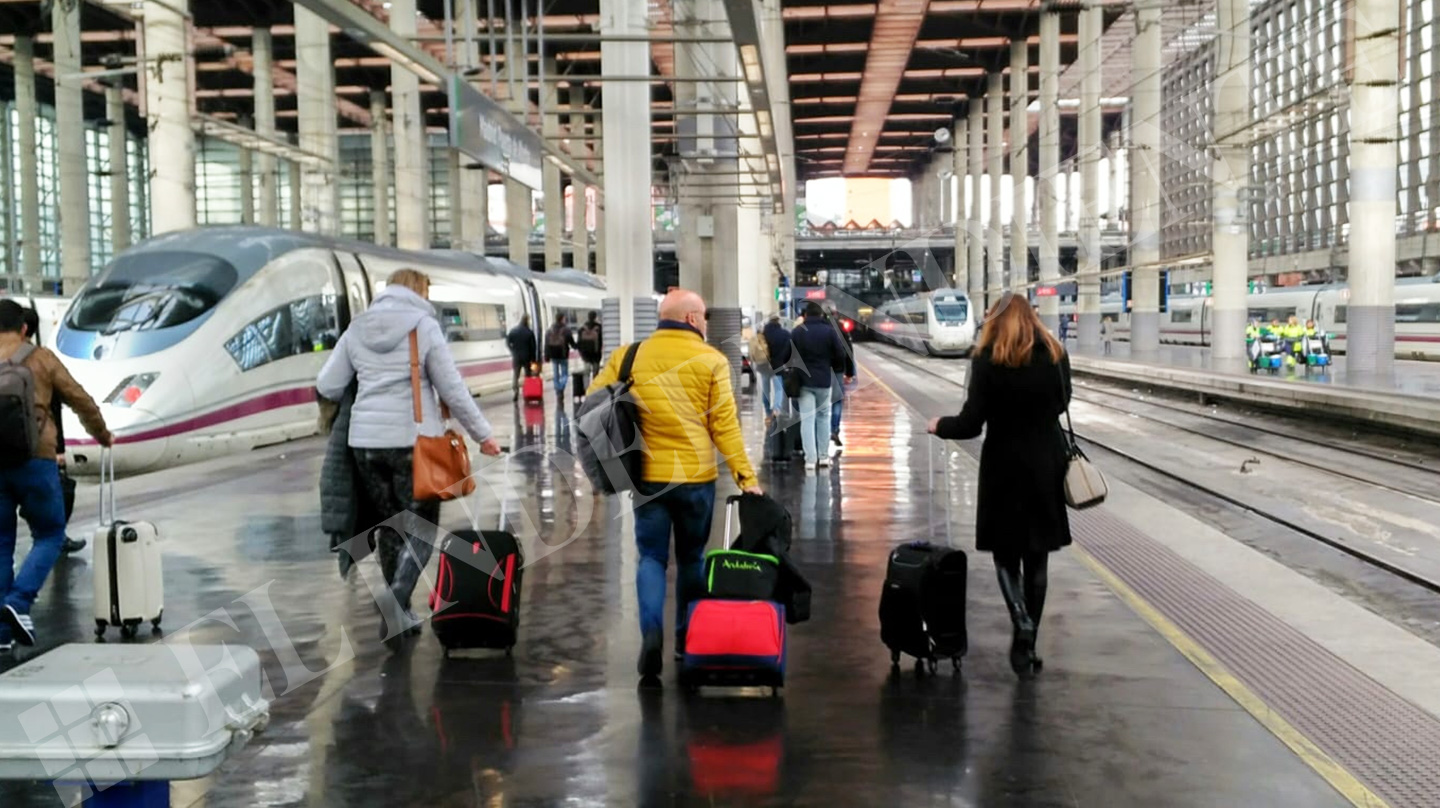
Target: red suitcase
[(534, 390), (734, 642)]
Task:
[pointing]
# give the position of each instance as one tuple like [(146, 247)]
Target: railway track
[(1398, 570)]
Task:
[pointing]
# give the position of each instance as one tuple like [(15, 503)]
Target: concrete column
[(27, 110), (262, 48), (73, 208), (553, 185), (247, 180), (975, 159), (1045, 184), (380, 166), (600, 195), (297, 196), (315, 98), (1374, 103), (1087, 275), (629, 242), (168, 102), (961, 279), (412, 153), (995, 152), (1112, 210), (1231, 173), (458, 212), (9, 238), (474, 207), (1145, 123), (1019, 163), (579, 147), (119, 170), (519, 220)]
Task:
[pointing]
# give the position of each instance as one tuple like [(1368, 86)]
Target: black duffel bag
[(611, 450)]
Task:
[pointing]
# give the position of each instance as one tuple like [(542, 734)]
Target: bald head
[(680, 302)]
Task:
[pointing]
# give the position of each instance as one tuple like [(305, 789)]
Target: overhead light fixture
[(750, 61)]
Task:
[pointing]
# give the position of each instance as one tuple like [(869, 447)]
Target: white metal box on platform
[(116, 713)]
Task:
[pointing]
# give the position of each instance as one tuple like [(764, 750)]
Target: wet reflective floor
[(1118, 717)]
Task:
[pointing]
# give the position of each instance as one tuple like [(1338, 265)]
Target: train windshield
[(151, 290), (952, 312)]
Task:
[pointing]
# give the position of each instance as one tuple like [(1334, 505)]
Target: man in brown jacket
[(34, 485)]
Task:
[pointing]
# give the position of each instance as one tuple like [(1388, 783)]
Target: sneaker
[(822, 463), (22, 628), (72, 546), (835, 439), (652, 651)]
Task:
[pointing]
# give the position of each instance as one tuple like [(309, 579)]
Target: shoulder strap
[(415, 373), (627, 366), (21, 354), (1069, 428)]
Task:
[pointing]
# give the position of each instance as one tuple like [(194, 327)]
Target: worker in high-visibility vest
[(1294, 336)]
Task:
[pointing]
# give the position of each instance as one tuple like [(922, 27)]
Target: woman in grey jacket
[(375, 352)]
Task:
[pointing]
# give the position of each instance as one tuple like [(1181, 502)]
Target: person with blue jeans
[(837, 386), (777, 345), (682, 386), (559, 342), (821, 355), (33, 484)]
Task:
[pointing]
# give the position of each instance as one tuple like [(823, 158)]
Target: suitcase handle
[(107, 486), (731, 503)]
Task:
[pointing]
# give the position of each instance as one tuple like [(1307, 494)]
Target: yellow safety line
[(1336, 775)]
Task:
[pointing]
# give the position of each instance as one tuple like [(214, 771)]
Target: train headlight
[(129, 391)]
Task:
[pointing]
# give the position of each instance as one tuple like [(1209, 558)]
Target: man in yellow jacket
[(688, 411)]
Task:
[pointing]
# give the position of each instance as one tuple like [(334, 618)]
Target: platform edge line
[(1312, 755)]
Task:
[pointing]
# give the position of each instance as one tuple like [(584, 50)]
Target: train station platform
[(1410, 402), (1181, 668)]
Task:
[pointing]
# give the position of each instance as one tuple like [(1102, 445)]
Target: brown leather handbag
[(442, 462)]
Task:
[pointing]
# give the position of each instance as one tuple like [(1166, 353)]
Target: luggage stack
[(735, 635)]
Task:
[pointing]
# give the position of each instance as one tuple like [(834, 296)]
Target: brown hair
[(412, 279), (1011, 329)]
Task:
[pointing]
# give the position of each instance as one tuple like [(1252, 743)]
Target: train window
[(1182, 315), (308, 325), (471, 322), (952, 313), (1340, 315), (151, 290), (1417, 313)]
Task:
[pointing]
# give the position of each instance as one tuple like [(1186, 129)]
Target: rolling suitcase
[(476, 599), (734, 642), (732, 574), (533, 390), (129, 583), (578, 383)]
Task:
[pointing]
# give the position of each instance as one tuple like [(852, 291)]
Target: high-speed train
[(1188, 319), (938, 323), (207, 342)]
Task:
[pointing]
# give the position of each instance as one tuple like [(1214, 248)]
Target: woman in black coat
[(1019, 386)]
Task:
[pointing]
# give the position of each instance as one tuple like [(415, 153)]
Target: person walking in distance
[(385, 349), (682, 386), (67, 485), (521, 342), (559, 341), (591, 344), (30, 379), (1019, 385), (822, 352)]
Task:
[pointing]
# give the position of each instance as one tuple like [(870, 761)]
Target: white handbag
[(1084, 484)]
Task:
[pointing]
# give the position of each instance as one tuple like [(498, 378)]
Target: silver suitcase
[(128, 579), (106, 714)]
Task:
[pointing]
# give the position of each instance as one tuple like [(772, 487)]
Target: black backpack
[(611, 449), (556, 337), (590, 339), (19, 428)]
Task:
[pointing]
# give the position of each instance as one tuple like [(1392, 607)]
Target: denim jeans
[(767, 391), (815, 422), (687, 509), (35, 487), (837, 403), (561, 369)]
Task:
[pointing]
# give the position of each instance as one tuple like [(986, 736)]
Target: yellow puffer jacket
[(687, 408)]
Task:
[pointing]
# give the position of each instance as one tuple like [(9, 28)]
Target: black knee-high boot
[(1037, 579), (1022, 643)]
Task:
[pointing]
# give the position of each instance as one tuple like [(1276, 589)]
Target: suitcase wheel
[(155, 624), (100, 628), (127, 631), (955, 664)]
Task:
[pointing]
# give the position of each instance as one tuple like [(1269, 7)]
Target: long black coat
[(1021, 505)]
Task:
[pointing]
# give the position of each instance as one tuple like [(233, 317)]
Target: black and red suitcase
[(476, 599)]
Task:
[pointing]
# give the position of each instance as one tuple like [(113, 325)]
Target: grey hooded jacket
[(375, 350)]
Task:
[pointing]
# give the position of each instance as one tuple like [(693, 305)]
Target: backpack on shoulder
[(759, 349), (19, 428), (611, 450), (590, 339), (555, 338)]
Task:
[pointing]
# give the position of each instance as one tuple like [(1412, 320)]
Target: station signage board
[(488, 134), (1046, 291)]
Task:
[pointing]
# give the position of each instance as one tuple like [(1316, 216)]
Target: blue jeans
[(815, 422), (687, 509), (767, 392), (35, 487), (561, 370), (837, 403)]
